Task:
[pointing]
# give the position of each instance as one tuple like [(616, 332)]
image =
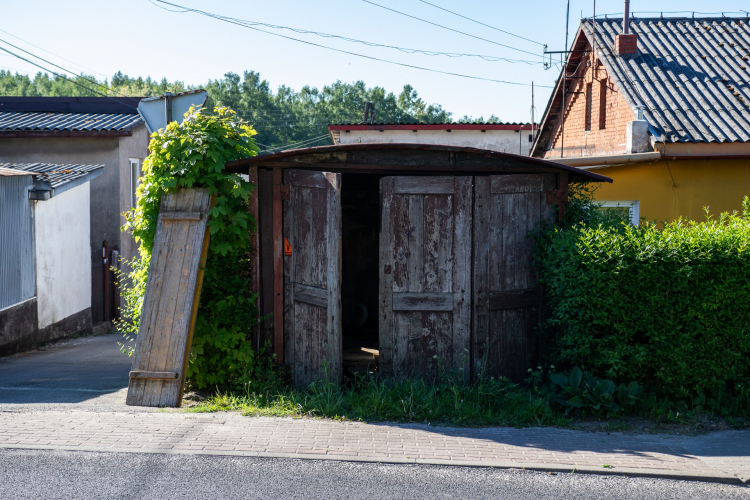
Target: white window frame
[(633, 207), (135, 173)]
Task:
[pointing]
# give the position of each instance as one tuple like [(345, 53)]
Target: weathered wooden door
[(425, 280), (507, 297), (312, 276)]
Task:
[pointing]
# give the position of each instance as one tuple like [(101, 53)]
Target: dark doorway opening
[(360, 221)]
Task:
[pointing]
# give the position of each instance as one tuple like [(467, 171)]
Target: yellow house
[(662, 106)]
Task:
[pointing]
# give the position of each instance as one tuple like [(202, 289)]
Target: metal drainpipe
[(105, 262)]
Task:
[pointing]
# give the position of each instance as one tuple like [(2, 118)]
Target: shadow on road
[(74, 371)]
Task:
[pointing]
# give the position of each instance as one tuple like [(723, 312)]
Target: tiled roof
[(693, 75), (11, 121), (61, 177)]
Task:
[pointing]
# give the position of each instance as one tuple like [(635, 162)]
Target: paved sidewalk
[(722, 456)]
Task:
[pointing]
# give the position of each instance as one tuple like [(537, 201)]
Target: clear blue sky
[(138, 38)]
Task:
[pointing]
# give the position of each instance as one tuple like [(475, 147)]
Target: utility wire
[(479, 22), (449, 29), (52, 53), (369, 44), (64, 69), (64, 77), (229, 20)]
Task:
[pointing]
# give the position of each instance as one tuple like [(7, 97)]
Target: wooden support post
[(255, 253), (278, 268)]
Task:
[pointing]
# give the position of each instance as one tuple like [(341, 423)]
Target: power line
[(63, 76), (229, 20), (483, 24), (57, 74), (52, 53), (363, 42), (447, 28)]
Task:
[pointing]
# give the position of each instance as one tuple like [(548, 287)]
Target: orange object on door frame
[(287, 247)]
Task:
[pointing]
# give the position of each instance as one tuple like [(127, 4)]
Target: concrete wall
[(668, 190), (18, 327), (105, 191), (135, 146), (63, 267), (497, 140)]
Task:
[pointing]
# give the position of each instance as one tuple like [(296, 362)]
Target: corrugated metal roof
[(691, 74), (66, 122), (57, 175)]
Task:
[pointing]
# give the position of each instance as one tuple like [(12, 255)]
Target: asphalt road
[(60, 475), (85, 373)]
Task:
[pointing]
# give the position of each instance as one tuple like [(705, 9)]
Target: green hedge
[(667, 306)]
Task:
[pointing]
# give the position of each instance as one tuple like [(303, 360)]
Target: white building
[(515, 138), (45, 263)]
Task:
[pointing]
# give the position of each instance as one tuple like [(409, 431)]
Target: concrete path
[(71, 397)]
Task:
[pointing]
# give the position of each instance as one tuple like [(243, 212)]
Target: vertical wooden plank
[(399, 223), (265, 232), (255, 252), (415, 238), (290, 323), (386, 244), (460, 269), (482, 234), (334, 335), (278, 270)]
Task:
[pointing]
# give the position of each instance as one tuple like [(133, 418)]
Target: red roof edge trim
[(455, 126)]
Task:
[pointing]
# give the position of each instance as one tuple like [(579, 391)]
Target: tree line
[(284, 117)]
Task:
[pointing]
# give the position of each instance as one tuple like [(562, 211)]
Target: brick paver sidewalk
[(723, 456)]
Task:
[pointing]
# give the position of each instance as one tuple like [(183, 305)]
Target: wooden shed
[(416, 256)]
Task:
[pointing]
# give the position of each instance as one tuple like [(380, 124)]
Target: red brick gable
[(593, 126)]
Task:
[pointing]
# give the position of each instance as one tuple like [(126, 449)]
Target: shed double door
[(312, 276), (458, 286)]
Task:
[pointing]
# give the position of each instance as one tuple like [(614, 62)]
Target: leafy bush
[(191, 155), (665, 306), (585, 393)]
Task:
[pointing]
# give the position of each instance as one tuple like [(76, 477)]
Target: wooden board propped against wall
[(171, 300)]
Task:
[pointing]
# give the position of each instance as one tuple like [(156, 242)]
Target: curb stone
[(716, 477)]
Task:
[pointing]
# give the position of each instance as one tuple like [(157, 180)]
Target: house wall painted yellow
[(667, 190)]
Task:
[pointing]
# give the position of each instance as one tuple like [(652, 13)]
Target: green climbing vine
[(190, 155)]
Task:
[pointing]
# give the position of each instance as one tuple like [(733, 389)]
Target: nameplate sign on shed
[(171, 300)]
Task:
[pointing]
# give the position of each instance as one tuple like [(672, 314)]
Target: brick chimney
[(626, 43)]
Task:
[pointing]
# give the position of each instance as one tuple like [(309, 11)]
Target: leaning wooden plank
[(171, 299)]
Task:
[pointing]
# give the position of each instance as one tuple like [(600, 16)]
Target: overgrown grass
[(486, 402)]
